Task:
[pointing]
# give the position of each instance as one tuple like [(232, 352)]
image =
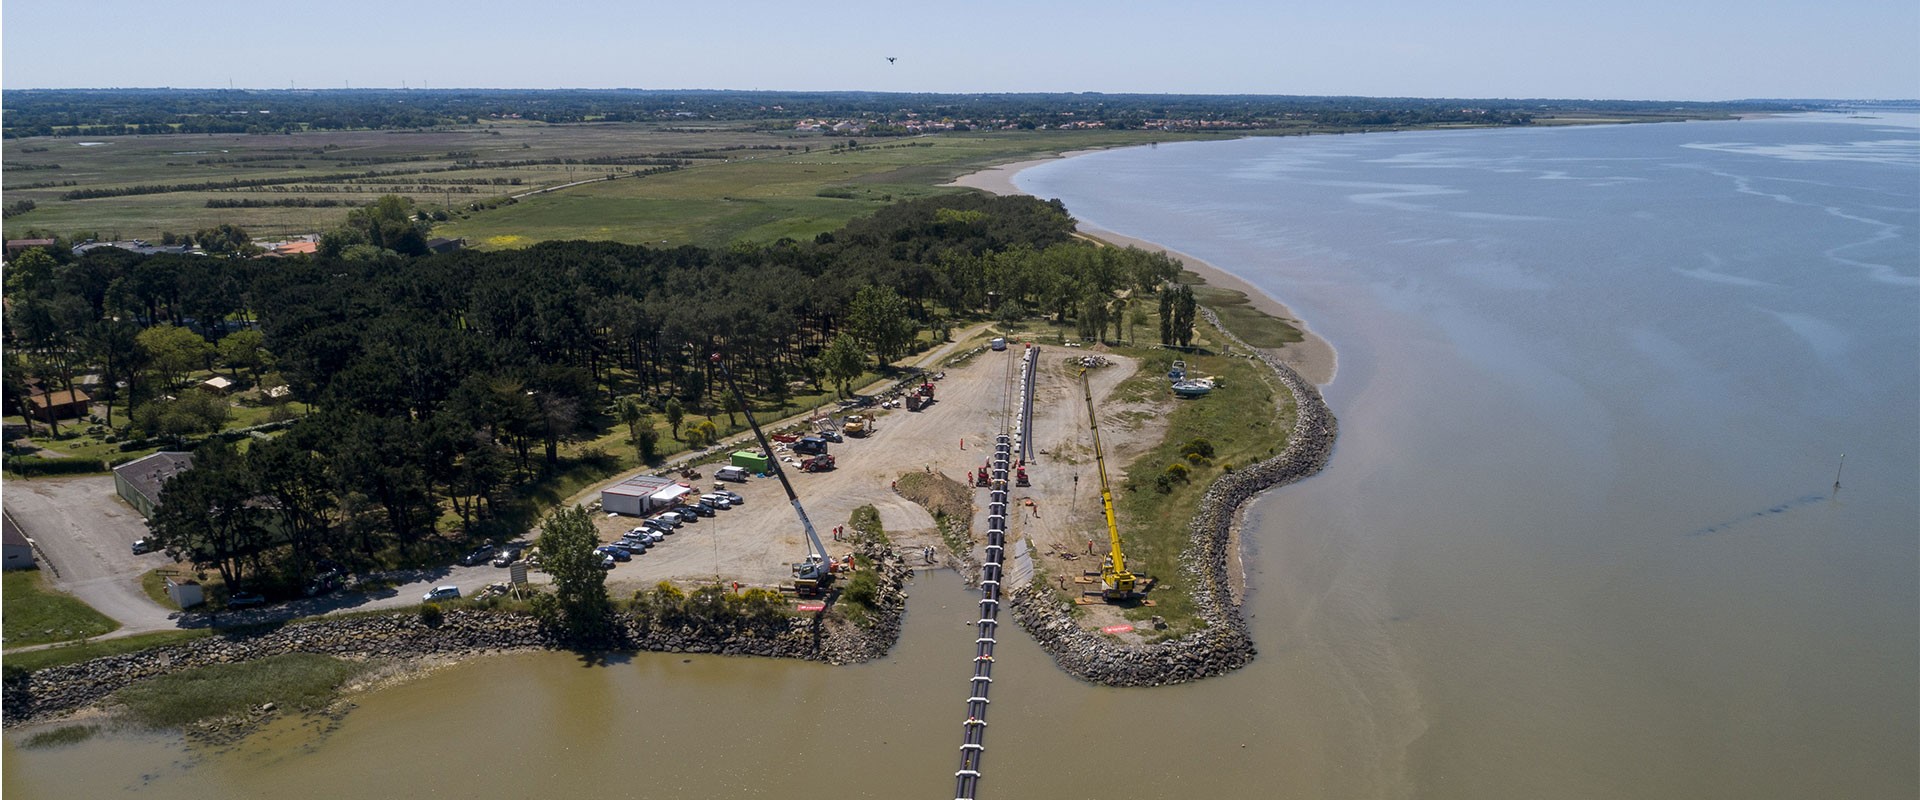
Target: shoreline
[(1313, 357)]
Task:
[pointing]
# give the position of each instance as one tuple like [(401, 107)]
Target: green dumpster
[(751, 461)]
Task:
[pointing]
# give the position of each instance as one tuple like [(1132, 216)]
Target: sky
[(1621, 49)]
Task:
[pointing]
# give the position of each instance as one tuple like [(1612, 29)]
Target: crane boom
[(816, 566), (1117, 582)]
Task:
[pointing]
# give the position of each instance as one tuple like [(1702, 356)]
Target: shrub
[(431, 615)]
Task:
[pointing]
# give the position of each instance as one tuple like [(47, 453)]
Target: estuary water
[(1579, 538)]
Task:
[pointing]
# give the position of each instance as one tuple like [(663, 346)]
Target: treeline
[(442, 384), (111, 112), (280, 202)]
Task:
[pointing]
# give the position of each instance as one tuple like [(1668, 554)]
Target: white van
[(998, 343), (731, 473)]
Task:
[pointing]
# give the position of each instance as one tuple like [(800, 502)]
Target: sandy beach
[(1314, 357)]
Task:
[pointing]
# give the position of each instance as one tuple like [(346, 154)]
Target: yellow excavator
[(1116, 583)]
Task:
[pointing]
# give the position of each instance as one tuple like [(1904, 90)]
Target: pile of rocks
[(56, 690), (1224, 644)]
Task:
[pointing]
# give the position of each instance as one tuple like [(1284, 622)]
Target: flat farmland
[(726, 181)]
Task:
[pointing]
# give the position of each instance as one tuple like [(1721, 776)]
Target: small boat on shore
[(1197, 387)]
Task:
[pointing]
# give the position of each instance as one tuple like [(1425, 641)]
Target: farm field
[(677, 184)]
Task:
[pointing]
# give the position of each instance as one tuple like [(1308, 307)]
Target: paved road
[(84, 533)]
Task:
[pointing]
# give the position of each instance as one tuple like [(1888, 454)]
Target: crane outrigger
[(1117, 584), (815, 572)]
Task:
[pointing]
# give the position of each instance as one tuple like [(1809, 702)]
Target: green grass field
[(742, 180), (296, 681), (35, 613)]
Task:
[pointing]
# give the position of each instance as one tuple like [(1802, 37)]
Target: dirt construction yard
[(754, 543)]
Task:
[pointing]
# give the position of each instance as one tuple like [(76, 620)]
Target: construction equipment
[(819, 463), (816, 572), (1020, 477), (1116, 583), (856, 425), (982, 480)]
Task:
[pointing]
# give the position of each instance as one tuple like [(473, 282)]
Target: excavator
[(813, 575), (1117, 585)]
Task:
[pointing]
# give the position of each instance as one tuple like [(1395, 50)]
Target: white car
[(441, 593)]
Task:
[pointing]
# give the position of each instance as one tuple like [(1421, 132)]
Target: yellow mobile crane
[(1116, 583)]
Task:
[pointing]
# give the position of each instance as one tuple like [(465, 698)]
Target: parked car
[(667, 519), (718, 500), (246, 599), (687, 515), (506, 557), (831, 435), (143, 544), (654, 537), (618, 553), (441, 593), (606, 561), (704, 508), (634, 546), (732, 495), (657, 526), (478, 556)]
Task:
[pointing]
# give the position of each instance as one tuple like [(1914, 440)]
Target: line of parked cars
[(655, 530)]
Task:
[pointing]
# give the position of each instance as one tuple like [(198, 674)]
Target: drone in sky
[(891, 59)]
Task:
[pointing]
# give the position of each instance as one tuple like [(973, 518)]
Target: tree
[(1183, 306), (842, 361), (632, 413), (226, 239), (878, 317), (676, 414), (206, 514), (580, 608), (194, 411), (173, 352), (244, 349)]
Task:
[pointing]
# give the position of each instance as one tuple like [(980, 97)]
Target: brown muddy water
[(665, 725)]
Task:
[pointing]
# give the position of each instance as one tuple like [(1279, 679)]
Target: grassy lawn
[(87, 651), (36, 614), (1153, 518), (296, 680)]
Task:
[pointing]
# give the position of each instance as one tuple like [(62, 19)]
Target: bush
[(30, 466), (431, 615)]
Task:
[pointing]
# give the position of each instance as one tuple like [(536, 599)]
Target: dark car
[(634, 546), (731, 495), (688, 515), (246, 600), (618, 553), (478, 556), (506, 557), (705, 508)]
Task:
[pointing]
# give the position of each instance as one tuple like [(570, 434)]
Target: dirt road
[(754, 543)]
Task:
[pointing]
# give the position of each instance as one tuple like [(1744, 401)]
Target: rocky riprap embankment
[(1224, 644), (404, 636)]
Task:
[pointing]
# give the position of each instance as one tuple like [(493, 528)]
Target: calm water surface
[(1579, 538)]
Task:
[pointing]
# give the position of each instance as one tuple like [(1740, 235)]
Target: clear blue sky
[(1632, 49)]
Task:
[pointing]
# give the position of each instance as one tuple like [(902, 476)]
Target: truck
[(810, 446), (856, 425)]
